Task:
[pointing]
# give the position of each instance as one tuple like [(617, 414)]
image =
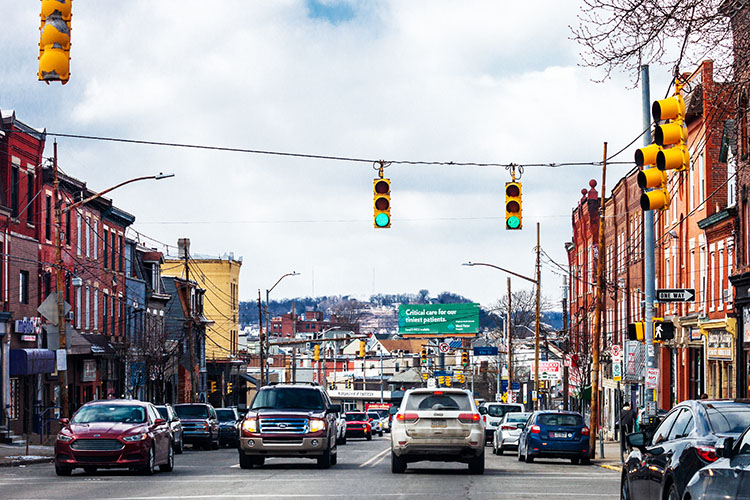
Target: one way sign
[(675, 294)]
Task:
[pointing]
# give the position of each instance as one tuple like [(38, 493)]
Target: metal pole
[(381, 375), (268, 335), (537, 319), (649, 245), (510, 343), (601, 253), (261, 342), (63, 342), (566, 383)]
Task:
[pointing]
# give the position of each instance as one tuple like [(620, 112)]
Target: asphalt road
[(363, 471)]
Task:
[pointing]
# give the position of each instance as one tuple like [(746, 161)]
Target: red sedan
[(358, 425), (114, 434)]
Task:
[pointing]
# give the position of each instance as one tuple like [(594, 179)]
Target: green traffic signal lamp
[(513, 217), (382, 202)]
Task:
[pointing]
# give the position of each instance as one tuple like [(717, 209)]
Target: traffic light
[(673, 133), (348, 383), (229, 387), (423, 356), (447, 381), (382, 202), (513, 219), (54, 41), (464, 358), (332, 386), (212, 385), (635, 331), (425, 375), (316, 352), (362, 346), (441, 379)]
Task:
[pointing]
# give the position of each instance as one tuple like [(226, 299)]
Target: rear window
[(561, 420), (225, 415), (434, 401), (354, 417), (500, 410), (192, 411), (515, 418), (728, 418)]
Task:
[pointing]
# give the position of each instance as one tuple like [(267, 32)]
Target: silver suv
[(440, 425)]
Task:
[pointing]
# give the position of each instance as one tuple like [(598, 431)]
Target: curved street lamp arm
[(102, 193), (501, 269)]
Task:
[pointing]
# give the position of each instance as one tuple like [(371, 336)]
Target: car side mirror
[(521, 425), (334, 409), (64, 421), (482, 410), (636, 440), (392, 410), (725, 447), (160, 421)]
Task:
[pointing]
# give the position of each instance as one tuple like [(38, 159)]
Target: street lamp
[(536, 282), (59, 212), (268, 292)]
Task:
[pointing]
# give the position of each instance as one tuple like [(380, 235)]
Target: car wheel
[(500, 450), (324, 462), (180, 447), (343, 439), (381, 434), (528, 458), (63, 471), (369, 437), (148, 469), (476, 465), (586, 460), (398, 464), (624, 488), (169, 466), (334, 459), (520, 457), (673, 493), (215, 444), (258, 461), (245, 461), (575, 461), (89, 470)]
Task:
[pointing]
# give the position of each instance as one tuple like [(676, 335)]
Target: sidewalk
[(11, 455), (611, 458)]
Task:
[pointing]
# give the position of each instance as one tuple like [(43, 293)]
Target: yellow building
[(219, 276)]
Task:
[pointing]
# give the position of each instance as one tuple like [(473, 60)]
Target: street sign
[(617, 369), (444, 347), (431, 383), (652, 378), (485, 351), (616, 350), (675, 294)]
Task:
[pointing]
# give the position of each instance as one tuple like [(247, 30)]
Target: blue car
[(554, 434)]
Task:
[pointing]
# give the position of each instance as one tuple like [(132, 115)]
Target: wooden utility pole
[(594, 424), (538, 318), (191, 332), (260, 341), (63, 341)]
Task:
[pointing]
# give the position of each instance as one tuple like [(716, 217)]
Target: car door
[(740, 465), (160, 433), (656, 456), (213, 422)]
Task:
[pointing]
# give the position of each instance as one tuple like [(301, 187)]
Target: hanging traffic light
[(332, 385), (674, 133), (513, 219), (348, 383), (423, 356), (382, 202), (447, 381), (650, 178), (229, 387), (441, 380), (316, 352), (54, 41), (464, 358), (362, 346), (212, 386)]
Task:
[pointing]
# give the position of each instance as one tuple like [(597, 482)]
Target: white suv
[(493, 413), (440, 425)]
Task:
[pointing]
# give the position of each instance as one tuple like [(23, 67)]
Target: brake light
[(508, 427), (534, 429), (468, 418), (407, 417), (707, 453), (439, 392), (585, 431)]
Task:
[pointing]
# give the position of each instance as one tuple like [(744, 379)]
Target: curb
[(16, 463), (616, 468)]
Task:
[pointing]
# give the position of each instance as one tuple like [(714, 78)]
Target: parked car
[(229, 426), (493, 413), (114, 434), (290, 420), (554, 434), (507, 433), (376, 422), (358, 425), (200, 425), (728, 477), (340, 428), (441, 425), (660, 465), (168, 414)]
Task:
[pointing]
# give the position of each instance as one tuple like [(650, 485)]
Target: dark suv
[(229, 426), (200, 426), (289, 421)]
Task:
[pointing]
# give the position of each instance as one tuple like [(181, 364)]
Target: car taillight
[(484, 418), (468, 418), (585, 431), (534, 429), (707, 453), (407, 417), (508, 427), (249, 426)]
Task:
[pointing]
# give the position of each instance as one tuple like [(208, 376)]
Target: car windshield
[(728, 418), (515, 418), (373, 414), (500, 410), (382, 413), (191, 411), (438, 401), (352, 417), (288, 398), (163, 412), (560, 419), (110, 413), (225, 415)]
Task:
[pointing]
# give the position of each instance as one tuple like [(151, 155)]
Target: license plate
[(438, 423), (563, 435)]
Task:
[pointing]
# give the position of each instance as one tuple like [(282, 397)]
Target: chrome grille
[(96, 445), (284, 425)]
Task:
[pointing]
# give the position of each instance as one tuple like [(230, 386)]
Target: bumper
[(196, 437), (131, 455), (228, 435), (559, 449), (357, 432), (285, 446), (437, 449)]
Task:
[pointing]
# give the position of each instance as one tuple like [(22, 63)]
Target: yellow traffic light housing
[(447, 381), (362, 347), (464, 358), (423, 356), (348, 383), (655, 199), (674, 133), (381, 202), (229, 387), (212, 386), (316, 352), (54, 41), (513, 206)]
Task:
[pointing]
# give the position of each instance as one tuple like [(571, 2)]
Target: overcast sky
[(481, 81)]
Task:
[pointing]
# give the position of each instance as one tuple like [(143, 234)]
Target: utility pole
[(510, 343), (260, 341), (601, 253), (566, 335), (63, 341), (538, 318), (294, 348), (184, 244)]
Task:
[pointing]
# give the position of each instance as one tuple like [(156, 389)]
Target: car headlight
[(249, 425), (317, 424), (136, 437), (64, 438)]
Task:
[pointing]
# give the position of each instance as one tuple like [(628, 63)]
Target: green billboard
[(430, 320)]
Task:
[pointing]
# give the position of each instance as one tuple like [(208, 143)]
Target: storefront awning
[(31, 361)]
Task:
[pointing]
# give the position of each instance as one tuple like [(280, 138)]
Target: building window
[(78, 307), (67, 228), (78, 235), (104, 314), (114, 250), (88, 308), (14, 191), (48, 218), (88, 237), (114, 311), (122, 253), (105, 249), (96, 309), (23, 287), (96, 239), (30, 197)]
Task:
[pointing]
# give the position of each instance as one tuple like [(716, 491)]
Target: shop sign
[(29, 326), (89, 370), (720, 345), (695, 334)]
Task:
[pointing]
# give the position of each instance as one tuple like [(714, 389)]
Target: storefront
[(27, 366), (721, 378), (741, 283)]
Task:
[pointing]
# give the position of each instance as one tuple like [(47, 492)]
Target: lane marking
[(504, 494), (382, 453)]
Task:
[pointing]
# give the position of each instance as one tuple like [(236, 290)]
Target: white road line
[(382, 453), (504, 494)]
